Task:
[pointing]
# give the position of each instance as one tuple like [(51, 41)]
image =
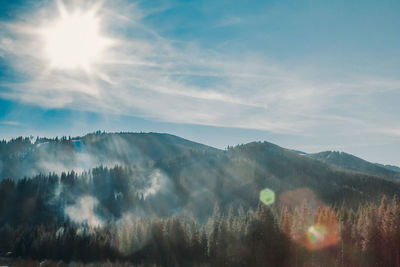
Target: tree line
[(265, 236)]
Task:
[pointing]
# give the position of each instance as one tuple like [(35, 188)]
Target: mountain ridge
[(350, 162), (155, 145), (160, 174)]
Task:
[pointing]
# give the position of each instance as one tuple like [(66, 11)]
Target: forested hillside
[(159, 199), (26, 157), (350, 162), (189, 171), (266, 236)]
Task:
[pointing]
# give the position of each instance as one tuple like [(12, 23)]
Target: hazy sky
[(309, 75)]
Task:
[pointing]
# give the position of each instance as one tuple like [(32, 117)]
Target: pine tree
[(212, 232)]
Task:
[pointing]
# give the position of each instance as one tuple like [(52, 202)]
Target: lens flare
[(267, 196), (310, 224), (295, 198), (316, 234), (321, 236)]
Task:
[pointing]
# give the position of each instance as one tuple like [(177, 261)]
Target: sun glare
[(74, 40)]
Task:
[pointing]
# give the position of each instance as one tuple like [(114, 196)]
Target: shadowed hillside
[(161, 174), (350, 162), (23, 157), (138, 198)]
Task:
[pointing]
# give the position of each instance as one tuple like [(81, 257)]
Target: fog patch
[(83, 159), (60, 232), (78, 159), (58, 190), (133, 233), (157, 182), (57, 167), (83, 211), (87, 158)]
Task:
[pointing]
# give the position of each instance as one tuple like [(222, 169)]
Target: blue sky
[(309, 75)]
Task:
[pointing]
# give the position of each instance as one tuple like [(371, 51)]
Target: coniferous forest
[(158, 200), (265, 236)]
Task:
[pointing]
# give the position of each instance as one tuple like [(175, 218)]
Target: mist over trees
[(266, 236), (190, 171), (146, 199)]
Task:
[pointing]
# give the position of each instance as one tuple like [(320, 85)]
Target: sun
[(74, 40)]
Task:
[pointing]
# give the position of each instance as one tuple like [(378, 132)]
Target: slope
[(350, 162)]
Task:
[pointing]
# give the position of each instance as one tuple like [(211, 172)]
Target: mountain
[(353, 163), (134, 184), (290, 170), (389, 167), (23, 158), (162, 174)]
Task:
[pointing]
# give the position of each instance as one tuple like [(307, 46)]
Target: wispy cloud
[(11, 123), (395, 131), (228, 21), (150, 76)]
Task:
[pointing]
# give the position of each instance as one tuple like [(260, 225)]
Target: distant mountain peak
[(350, 162)]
